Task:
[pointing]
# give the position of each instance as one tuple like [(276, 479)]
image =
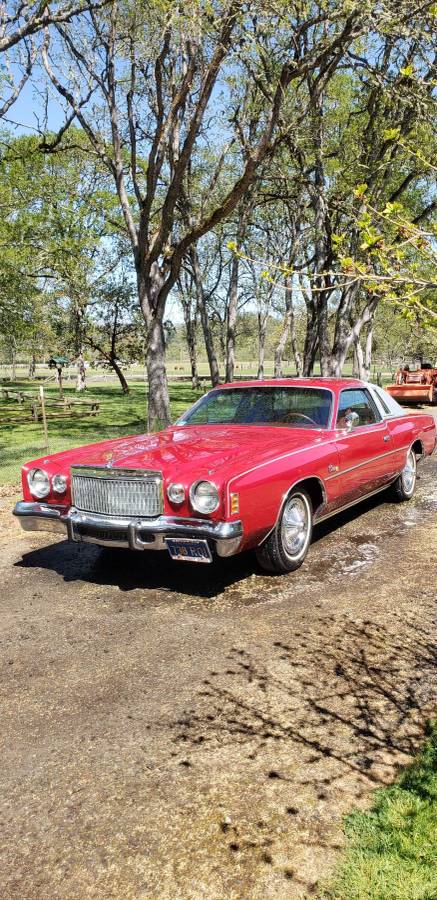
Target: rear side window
[(381, 400), (358, 401)]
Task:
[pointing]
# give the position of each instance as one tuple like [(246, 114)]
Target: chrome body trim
[(133, 533), (366, 462), (340, 509), (110, 472), (38, 516)]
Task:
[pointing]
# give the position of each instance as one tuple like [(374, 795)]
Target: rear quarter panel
[(407, 429)]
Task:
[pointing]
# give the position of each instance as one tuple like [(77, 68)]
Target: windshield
[(298, 407)]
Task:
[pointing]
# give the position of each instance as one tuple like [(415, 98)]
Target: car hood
[(195, 451)]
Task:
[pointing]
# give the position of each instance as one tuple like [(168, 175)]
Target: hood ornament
[(109, 457)]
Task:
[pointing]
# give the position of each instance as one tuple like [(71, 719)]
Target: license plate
[(189, 550)]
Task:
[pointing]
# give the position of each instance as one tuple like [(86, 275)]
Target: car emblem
[(109, 457)]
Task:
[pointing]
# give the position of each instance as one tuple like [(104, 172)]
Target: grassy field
[(119, 415), (392, 850)]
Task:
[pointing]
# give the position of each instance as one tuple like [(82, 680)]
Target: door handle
[(386, 438)]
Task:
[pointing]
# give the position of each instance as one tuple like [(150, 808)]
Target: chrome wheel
[(296, 526), (285, 548), (408, 474)]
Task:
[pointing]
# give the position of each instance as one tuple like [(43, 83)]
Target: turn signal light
[(235, 503)]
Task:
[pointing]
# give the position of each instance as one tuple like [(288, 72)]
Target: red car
[(253, 464)]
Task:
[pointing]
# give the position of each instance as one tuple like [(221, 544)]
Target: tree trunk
[(293, 339), (363, 359), (368, 352), (120, 376), (32, 366), (207, 334), (232, 310), (231, 323), (191, 338), (356, 366), (152, 297), (323, 337), (81, 374), (280, 346), (343, 319), (14, 362), (158, 414), (190, 329), (320, 255), (209, 344), (310, 348), (59, 380), (288, 330), (321, 287), (262, 329), (221, 325)]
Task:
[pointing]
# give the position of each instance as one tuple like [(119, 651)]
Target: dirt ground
[(176, 732)]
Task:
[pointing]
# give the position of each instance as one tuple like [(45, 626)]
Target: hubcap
[(295, 526), (409, 473)]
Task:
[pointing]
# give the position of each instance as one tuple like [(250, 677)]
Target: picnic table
[(27, 407)]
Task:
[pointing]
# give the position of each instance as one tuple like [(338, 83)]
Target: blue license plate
[(189, 550)]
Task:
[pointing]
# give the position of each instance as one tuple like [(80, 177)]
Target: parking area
[(171, 731)]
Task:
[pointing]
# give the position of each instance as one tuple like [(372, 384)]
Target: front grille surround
[(117, 492)]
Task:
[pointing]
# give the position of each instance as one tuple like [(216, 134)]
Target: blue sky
[(28, 108)]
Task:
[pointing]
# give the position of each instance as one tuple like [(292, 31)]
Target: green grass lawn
[(119, 415), (392, 849)]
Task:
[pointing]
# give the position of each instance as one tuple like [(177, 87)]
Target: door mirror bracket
[(352, 419)]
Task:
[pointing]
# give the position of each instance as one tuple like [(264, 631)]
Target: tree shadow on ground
[(338, 707)]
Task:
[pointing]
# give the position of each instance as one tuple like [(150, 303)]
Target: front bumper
[(136, 534)]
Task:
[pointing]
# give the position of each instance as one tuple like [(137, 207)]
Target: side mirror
[(352, 420)]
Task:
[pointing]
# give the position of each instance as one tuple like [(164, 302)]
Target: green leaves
[(360, 191), (391, 134)]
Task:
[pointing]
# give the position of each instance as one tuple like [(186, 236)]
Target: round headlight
[(176, 493), (39, 483), (204, 496), (59, 484)]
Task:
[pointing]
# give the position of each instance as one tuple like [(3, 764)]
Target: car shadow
[(129, 571)]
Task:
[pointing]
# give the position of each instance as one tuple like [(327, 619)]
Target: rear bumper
[(135, 534)]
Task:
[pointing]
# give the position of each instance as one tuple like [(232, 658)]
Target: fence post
[(44, 419)]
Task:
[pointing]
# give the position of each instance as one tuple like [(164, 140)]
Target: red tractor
[(419, 386)]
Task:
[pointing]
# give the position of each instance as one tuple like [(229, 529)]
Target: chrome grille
[(117, 492)]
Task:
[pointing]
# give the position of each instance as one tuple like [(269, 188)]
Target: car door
[(366, 456)]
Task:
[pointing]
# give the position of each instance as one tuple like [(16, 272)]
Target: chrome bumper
[(136, 534)]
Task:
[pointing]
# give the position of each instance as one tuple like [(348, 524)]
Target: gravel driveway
[(176, 732)]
